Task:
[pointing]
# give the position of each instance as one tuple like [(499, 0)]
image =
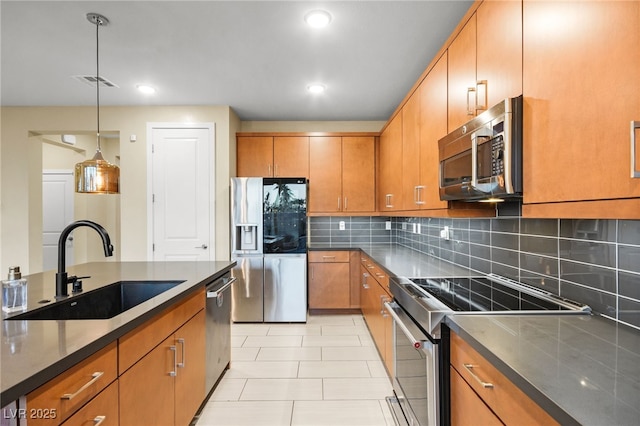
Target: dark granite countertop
[(582, 369), (35, 351)]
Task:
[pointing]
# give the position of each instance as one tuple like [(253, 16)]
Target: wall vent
[(92, 79)]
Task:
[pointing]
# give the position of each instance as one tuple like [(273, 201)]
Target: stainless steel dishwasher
[(218, 319)]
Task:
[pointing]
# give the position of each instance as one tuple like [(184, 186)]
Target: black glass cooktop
[(493, 293)]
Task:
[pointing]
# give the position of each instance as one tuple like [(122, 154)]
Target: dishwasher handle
[(214, 294)]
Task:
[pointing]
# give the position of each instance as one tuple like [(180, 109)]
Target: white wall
[(21, 173)]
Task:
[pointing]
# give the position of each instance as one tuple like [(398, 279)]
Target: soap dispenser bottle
[(14, 291)]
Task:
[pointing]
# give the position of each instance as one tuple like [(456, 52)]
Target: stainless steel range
[(421, 354)]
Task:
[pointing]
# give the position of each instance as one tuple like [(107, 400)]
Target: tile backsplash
[(596, 262)]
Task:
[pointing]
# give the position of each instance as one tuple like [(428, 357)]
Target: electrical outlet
[(445, 233), (387, 225), (415, 227), (404, 226), (418, 228), (341, 225)]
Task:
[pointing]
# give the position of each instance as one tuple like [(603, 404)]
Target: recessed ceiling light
[(318, 18), (146, 89), (316, 88)]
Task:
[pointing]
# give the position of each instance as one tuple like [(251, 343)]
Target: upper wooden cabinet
[(582, 91), (273, 156), (390, 166), (341, 174), (485, 60)]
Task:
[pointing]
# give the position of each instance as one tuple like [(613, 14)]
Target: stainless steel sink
[(103, 303)]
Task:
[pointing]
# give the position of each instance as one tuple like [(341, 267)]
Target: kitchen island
[(36, 351)]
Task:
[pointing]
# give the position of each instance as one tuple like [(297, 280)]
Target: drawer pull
[(174, 373), (635, 125), (94, 378), (469, 368), (328, 257), (98, 420)]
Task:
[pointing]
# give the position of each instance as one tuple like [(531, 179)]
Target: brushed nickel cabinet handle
[(98, 420), (174, 373), (419, 189), (469, 368), (94, 378), (471, 101), (181, 342), (338, 203), (481, 94), (635, 173), (345, 204), (268, 169), (364, 281)]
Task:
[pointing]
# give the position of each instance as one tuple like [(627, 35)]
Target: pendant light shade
[(97, 176)]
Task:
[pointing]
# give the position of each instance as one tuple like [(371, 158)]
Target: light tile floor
[(324, 372)]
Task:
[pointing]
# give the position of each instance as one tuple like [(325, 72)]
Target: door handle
[(203, 247), (635, 173), (181, 342)]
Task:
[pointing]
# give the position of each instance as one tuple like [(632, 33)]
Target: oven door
[(415, 381)]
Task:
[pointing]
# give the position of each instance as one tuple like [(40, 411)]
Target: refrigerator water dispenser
[(246, 237)]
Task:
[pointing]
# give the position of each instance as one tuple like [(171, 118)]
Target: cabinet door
[(325, 174), (254, 156), (329, 286), (411, 153), (433, 126), (390, 166), (499, 52), (462, 76), (190, 377), (147, 389), (466, 406), (358, 174), (291, 156), (582, 90)]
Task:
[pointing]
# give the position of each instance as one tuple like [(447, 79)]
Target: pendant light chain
[(98, 23)]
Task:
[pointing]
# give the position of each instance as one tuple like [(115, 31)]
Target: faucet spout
[(62, 278)]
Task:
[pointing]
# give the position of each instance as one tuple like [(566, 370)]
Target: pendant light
[(97, 176)]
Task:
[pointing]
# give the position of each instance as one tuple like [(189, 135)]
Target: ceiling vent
[(92, 79)]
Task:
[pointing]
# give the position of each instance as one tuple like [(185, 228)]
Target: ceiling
[(256, 56)]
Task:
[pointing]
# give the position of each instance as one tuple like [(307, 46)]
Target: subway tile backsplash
[(593, 261)]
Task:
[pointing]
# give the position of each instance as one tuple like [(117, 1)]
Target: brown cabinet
[(103, 410), (374, 291), (341, 174), (329, 280), (334, 280), (162, 367), (476, 381), (485, 60), (390, 189), (582, 91), (55, 401), (272, 156)]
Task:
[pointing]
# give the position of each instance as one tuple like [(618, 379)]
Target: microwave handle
[(635, 126), (480, 133)]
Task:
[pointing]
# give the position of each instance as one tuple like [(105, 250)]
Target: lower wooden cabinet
[(55, 401), (373, 293), (477, 387), (102, 410), (167, 385), (333, 285)]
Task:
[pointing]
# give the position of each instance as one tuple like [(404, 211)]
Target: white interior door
[(57, 213), (181, 193)]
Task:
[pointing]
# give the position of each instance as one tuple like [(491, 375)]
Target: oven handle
[(391, 308)]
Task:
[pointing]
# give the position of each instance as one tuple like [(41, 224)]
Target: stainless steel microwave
[(482, 160)]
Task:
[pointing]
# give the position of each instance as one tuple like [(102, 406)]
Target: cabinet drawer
[(505, 399), (329, 256), (103, 407), (135, 344), (466, 406), (62, 396), (375, 271)]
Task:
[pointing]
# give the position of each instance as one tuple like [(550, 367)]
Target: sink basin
[(103, 303)]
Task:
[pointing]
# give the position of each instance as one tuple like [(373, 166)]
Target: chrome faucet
[(62, 279)]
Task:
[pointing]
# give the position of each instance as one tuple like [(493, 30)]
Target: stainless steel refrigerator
[(269, 244)]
